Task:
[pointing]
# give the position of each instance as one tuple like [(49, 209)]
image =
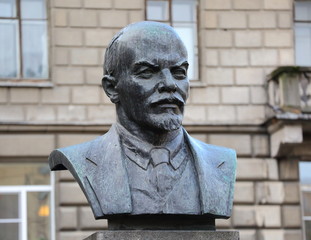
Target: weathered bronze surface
[(147, 168)]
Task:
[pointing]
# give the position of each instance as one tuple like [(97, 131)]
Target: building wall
[(240, 43)]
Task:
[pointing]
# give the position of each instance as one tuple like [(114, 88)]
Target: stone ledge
[(164, 235)]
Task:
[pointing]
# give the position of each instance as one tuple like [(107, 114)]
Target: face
[(153, 87)]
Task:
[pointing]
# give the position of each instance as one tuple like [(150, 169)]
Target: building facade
[(51, 97)]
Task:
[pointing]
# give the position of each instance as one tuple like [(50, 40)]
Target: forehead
[(154, 44), (157, 53)]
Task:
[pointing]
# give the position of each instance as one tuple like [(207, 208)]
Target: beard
[(162, 117), (165, 121)]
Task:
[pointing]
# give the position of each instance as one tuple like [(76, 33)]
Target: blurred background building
[(246, 93)]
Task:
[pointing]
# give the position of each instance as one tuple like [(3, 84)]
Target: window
[(305, 186), (23, 39), (26, 201), (303, 32), (182, 15)]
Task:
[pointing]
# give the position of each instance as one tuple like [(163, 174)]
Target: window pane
[(9, 231), (306, 198), (24, 174), (7, 8), (184, 11), (187, 33), (303, 11), (157, 10), (8, 49), (34, 49), (9, 206), (304, 173), (308, 229), (303, 44), (33, 9), (38, 214)]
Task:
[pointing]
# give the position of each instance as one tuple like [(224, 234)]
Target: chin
[(165, 122)]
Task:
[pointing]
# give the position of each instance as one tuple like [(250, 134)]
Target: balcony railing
[(289, 89)]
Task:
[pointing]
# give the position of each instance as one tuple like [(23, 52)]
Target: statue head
[(145, 75)]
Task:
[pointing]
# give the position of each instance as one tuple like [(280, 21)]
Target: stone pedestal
[(164, 235)]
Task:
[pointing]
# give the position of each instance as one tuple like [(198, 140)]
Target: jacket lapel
[(107, 176), (214, 177)]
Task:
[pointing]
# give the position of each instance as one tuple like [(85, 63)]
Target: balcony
[(289, 115), (289, 90)]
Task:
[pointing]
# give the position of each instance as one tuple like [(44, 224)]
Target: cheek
[(135, 93), (143, 89), (183, 89), (127, 95)]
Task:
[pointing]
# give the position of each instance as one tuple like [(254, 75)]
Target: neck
[(154, 136)]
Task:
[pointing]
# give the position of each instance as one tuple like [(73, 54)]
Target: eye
[(145, 73), (179, 73)]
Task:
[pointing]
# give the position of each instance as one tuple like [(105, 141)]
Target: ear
[(109, 84)]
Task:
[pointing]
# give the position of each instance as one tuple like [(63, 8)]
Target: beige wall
[(241, 41)]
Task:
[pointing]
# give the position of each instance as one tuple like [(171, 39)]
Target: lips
[(172, 102), (168, 105)]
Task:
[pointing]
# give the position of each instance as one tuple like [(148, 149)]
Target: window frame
[(20, 81), (22, 191), (195, 81), (300, 22), (304, 189)]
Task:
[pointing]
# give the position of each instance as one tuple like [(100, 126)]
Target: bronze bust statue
[(146, 170)]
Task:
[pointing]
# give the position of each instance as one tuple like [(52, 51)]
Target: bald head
[(140, 38), (145, 75)]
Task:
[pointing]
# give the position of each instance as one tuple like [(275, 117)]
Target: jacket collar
[(138, 150)]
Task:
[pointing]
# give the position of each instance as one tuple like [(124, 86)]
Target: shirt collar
[(138, 150)]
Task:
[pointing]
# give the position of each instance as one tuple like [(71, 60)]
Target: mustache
[(173, 99)]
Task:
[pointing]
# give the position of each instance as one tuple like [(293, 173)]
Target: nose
[(167, 82)]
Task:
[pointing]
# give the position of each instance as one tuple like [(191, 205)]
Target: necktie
[(162, 172)]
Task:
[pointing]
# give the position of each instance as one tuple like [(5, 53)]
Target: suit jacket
[(99, 168)]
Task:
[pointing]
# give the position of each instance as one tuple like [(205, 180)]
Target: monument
[(146, 173)]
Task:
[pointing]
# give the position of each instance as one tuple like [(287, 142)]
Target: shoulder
[(75, 155), (223, 160), (212, 150), (62, 158)]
